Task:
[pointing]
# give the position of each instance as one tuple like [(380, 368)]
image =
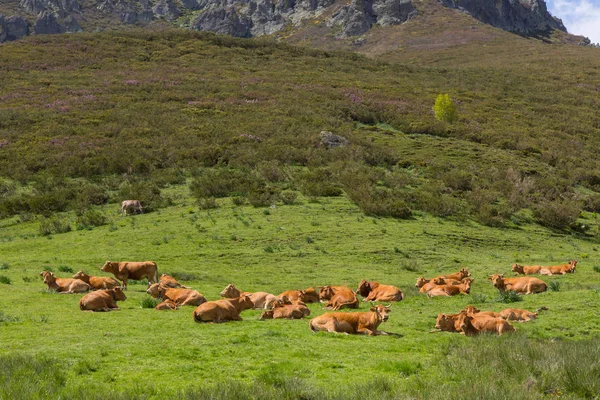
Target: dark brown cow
[(97, 282), (261, 300), (102, 300), (338, 297), (182, 297), (222, 310), (525, 285), (64, 285), (352, 322), (289, 311), (170, 282), (125, 270), (375, 291)]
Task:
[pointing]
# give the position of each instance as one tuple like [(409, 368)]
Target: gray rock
[(358, 17), (47, 24), (393, 12), (166, 9), (225, 20), (519, 16), (13, 28), (331, 141)]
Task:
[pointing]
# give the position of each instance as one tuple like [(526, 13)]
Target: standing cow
[(132, 270), (131, 207)]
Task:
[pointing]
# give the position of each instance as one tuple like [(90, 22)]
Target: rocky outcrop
[(358, 17), (519, 16), (13, 28)]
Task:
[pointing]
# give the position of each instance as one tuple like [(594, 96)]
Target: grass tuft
[(509, 296), (554, 286), (4, 279), (149, 302)]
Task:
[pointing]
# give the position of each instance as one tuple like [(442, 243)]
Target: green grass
[(124, 350)]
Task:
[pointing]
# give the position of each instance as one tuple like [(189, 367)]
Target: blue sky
[(581, 17)]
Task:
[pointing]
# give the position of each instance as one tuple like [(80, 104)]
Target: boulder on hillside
[(13, 28), (331, 141), (225, 20), (47, 24)]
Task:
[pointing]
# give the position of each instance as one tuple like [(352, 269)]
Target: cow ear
[(374, 309)]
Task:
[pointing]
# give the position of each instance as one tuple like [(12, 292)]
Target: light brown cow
[(182, 297), (519, 315), (97, 282), (222, 310), (261, 300), (289, 311), (526, 269), (525, 285), (310, 295), (352, 322), (451, 290), (560, 269), (167, 305), (375, 291), (475, 324), (170, 282), (447, 322), (474, 310), (338, 297), (102, 300), (131, 206), (292, 295), (458, 276), (425, 285), (64, 285), (125, 270)]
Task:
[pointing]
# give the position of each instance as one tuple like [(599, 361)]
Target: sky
[(580, 17)]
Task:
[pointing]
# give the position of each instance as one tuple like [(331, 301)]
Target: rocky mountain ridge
[(252, 18)]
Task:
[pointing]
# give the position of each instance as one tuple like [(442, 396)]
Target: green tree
[(444, 108)]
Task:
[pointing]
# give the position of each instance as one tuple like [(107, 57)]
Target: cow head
[(230, 291), (309, 295), (572, 265), (246, 302), (464, 272), (81, 275), (439, 281), (107, 267), (382, 312), (497, 281), (445, 322), (517, 268), (472, 310), (266, 315), (364, 288), (325, 292), (155, 290), (421, 281), (271, 304), (49, 277), (118, 294), (465, 325)]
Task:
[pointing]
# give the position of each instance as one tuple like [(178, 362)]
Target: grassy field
[(145, 353)]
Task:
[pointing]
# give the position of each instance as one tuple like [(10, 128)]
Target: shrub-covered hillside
[(91, 118)]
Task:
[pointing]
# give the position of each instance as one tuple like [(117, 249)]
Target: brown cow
[(292, 295), (261, 300), (375, 291), (168, 304), (102, 300), (516, 314), (526, 269), (222, 310), (132, 270), (559, 269), (131, 205), (169, 282), (182, 297), (525, 285), (425, 285), (289, 311), (447, 322), (451, 290), (338, 297), (310, 295), (64, 285), (458, 276), (475, 324), (97, 282), (352, 322), (471, 310)]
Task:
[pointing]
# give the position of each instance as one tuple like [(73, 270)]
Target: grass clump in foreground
[(509, 296)]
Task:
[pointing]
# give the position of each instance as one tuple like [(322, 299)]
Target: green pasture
[(148, 353)]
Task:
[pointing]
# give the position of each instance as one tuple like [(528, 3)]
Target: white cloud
[(580, 17)]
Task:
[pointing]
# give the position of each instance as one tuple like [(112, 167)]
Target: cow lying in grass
[(288, 311), (352, 322), (102, 300), (509, 314), (261, 300), (97, 282), (451, 290), (167, 305), (550, 270), (338, 297), (222, 310), (169, 282), (64, 285), (472, 324), (306, 296), (375, 291), (526, 285), (182, 297)]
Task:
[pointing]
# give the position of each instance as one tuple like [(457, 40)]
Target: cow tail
[(541, 309)]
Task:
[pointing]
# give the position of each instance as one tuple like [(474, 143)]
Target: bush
[(54, 224), (319, 182), (149, 302), (288, 197), (207, 203), (4, 279), (4, 265), (147, 192), (64, 268), (91, 219), (557, 214), (220, 182), (554, 286), (509, 296), (261, 195), (597, 268), (239, 200), (444, 108)]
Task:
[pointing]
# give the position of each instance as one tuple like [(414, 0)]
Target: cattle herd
[(104, 292)]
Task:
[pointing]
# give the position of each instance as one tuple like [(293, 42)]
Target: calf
[(451, 290), (338, 297), (475, 324), (289, 311), (167, 305), (170, 282), (132, 270), (182, 297), (524, 285), (261, 300), (97, 282), (352, 322), (515, 314), (64, 285), (375, 291), (222, 310), (559, 269), (102, 300), (526, 269)]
